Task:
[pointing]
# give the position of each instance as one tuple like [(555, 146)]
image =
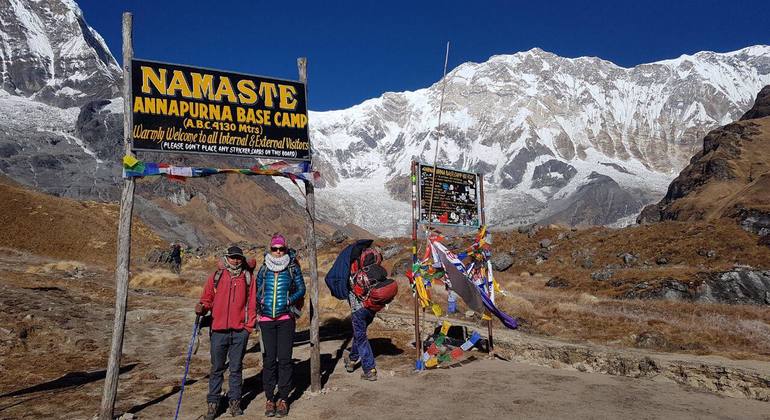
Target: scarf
[(234, 270), (277, 264)]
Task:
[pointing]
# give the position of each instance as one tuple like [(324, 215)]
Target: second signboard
[(454, 196), (186, 109)]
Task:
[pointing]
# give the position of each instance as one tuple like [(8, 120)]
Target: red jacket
[(228, 304)]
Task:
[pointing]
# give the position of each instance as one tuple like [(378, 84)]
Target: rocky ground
[(57, 317), (660, 321)]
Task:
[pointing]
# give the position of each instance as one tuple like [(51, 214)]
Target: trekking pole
[(187, 363)]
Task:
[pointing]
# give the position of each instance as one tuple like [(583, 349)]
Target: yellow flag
[(432, 362), (436, 309), (129, 161), (445, 327)]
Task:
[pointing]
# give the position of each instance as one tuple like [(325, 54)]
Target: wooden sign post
[(315, 348), (124, 236)]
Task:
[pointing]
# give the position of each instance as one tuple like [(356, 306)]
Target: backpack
[(370, 283), (368, 257), (338, 277), (296, 307), (381, 294)]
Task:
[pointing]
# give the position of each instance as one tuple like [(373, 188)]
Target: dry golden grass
[(59, 266), (155, 278), (736, 331)]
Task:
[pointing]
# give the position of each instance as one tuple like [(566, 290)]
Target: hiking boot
[(281, 408), (211, 411), (370, 376), (350, 365), (235, 408), (269, 408)]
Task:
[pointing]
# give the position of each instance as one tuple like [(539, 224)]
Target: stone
[(401, 266), (735, 286), (339, 236), (587, 263), (601, 275), (391, 251), (545, 243), (501, 261), (653, 340), (628, 259), (661, 261), (557, 282)]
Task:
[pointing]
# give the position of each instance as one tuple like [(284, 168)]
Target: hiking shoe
[(211, 411), (370, 376), (235, 408), (269, 408), (282, 408), (350, 365)]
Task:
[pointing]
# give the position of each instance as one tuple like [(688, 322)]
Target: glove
[(199, 309)]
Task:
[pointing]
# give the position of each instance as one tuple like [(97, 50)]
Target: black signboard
[(455, 197), (187, 109)]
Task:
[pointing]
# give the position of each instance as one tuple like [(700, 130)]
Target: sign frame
[(478, 197), (300, 95)]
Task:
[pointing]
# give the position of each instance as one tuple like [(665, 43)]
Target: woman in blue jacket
[(280, 291)]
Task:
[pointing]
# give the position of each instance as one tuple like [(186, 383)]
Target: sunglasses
[(278, 248)]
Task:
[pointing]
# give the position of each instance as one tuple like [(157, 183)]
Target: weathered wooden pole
[(124, 237), (415, 216), (483, 222), (315, 342)]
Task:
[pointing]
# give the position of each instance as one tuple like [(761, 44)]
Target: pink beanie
[(277, 240)]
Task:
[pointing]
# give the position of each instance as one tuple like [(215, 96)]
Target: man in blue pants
[(360, 351)]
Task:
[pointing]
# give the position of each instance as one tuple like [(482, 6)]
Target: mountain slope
[(728, 178), (538, 125), (50, 54)]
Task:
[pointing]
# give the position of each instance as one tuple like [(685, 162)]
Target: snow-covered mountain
[(558, 139), (48, 53), (580, 141)]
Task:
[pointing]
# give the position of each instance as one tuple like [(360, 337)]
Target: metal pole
[(124, 236), (438, 139), (415, 216), (483, 222), (315, 347)]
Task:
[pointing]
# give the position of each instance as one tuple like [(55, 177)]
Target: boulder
[(557, 282), (736, 286), (391, 251), (501, 261)]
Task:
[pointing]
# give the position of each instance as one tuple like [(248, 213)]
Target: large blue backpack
[(338, 277)]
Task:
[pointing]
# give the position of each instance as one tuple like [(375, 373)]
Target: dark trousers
[(361, 349), (277, 345), (227, 345)]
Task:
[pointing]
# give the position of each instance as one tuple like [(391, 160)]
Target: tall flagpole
[(438, 139)]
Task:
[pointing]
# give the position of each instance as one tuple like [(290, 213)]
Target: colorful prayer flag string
[(134, 168)]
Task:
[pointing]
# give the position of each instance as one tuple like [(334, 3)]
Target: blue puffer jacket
[(277, 291)]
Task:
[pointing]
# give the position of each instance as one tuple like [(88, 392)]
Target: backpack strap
[(262, 272), (217, 277), (248, 286)]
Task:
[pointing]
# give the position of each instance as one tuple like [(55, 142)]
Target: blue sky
[(360, 49)]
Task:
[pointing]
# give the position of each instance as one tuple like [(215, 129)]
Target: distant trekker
[(176, 258), (370, 291), (230, 295)]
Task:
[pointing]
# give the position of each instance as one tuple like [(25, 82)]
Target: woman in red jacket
[(230, 295)]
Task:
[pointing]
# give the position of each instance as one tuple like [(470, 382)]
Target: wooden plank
[(124, 237), (483, 222), (415, 216), (315, 342)]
